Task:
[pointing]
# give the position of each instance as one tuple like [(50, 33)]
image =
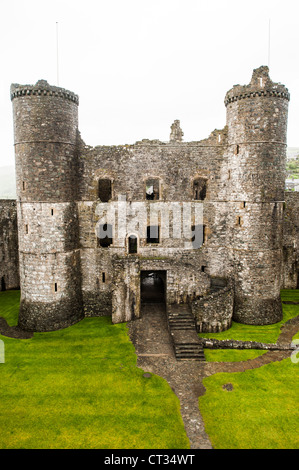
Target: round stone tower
[(45, 135), (257, 131)]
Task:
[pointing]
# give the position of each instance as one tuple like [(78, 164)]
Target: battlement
[(260, 85), (42, 87)]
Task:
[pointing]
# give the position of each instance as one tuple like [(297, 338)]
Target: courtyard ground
[(89, 386)]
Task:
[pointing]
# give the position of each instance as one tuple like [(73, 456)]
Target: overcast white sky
[(137, 65)]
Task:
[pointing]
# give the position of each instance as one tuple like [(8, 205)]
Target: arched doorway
[(153, 286), (132, 244)]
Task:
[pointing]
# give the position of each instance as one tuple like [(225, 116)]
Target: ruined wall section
[(45, 134), (9, 255), (290, 274), (213, 313)]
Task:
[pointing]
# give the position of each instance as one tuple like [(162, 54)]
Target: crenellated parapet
[(259, 86), (42, 88)]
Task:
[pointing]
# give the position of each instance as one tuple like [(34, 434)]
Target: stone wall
[(9, 256), (183, 283), (290, 272)]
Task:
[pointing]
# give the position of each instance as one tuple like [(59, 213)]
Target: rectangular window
[(52, 211), (55, 287), (24, 185), (198, 235), (26, 228), (105, 236), (199, 189), (103, 277), (153, 234), (104, 190), (152, 191)]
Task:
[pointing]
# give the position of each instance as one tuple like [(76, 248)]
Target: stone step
[(182, 327), (180, 317), (186, 344), (187, 350), (190, 352), (181, 320)]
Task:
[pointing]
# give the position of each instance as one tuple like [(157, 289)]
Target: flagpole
[(57, 54), (269, 43)]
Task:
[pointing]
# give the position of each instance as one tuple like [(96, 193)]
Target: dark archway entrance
[(153, 287), (3, 285)]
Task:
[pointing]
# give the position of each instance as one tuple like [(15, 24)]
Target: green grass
[(261, 412), (80, 388), (9, 306), (231, 355), (290, 295), (262, 334)]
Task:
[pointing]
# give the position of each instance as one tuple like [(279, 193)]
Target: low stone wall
[(213, 313), (209, 343)]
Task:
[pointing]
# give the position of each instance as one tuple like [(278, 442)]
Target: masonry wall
[(176, 165), (290, 272), (9, 256), (214, 312)]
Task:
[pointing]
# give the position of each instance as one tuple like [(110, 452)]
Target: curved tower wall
[(45, 135), (257, 131)]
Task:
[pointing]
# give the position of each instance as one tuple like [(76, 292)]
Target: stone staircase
[(181, 319), (186, 344)]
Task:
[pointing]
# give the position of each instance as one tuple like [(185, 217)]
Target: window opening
[(104, 190), (153, 234), (105, 236), (199, 189), (198, 236), (152, 189), (132, 244)]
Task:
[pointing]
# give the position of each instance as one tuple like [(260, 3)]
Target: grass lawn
[(261, 412), (290, 294), (80, 388)]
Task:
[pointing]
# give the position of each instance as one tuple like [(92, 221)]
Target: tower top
[(42, 87), (260, 85)]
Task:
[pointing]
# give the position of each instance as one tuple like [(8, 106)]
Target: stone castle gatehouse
[(207, 224)]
